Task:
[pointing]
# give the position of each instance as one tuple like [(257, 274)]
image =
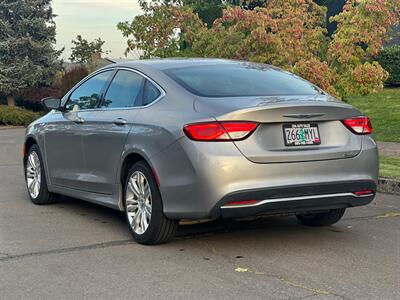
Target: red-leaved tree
[(290, 34)]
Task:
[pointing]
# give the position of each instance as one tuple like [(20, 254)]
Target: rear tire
[(322, 219), (36, 178), (144, 208)]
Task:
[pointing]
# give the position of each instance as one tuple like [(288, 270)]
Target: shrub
[(35, 106), (31, 97), (389, 58), (72, 77), (16, 116), (36, 94)]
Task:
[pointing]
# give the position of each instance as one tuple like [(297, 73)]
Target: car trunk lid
[(267, 144)]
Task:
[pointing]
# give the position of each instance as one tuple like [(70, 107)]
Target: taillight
[(220, 131), (359, 125)]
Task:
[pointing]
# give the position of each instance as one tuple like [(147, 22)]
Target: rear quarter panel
[(158, 126)]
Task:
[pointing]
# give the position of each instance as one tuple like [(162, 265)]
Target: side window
[(150, 94), (88, 94), (125, 90)]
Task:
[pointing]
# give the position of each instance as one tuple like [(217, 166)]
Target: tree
[(162, 30), (208, 10), (83, 51), (362, 29), (27, 38), (71, 77), (280, 33), (290, 34)]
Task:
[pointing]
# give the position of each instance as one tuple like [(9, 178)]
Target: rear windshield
[(237, 80)]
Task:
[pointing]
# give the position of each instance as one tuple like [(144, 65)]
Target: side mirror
[(52, 103)]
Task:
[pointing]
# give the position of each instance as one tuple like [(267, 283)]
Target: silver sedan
[(166, 140)]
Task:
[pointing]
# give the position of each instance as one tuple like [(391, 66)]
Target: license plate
[(301, 134)]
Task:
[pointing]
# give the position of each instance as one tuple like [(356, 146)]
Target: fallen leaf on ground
[(241, 270), (389, 215)]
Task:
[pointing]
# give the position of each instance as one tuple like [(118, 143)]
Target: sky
[(93, 19)]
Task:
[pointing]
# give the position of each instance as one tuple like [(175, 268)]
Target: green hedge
[(16, 116), (389, 59)]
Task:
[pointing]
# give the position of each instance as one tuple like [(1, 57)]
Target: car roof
[(168, 63)]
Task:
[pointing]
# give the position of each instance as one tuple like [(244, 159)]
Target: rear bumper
[(295, 199), (198, 178)]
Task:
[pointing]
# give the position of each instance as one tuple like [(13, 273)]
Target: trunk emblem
[(304, 116)]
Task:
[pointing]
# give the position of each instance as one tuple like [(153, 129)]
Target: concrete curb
[(3, 127), (389, 185)]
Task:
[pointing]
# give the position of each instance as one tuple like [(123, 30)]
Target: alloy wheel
[(33, 174), (138, 202)]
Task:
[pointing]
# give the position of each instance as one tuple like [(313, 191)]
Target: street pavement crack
[(67, 250)]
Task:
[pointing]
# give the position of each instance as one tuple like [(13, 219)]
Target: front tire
[(144, 208), (322, 219), (36, 178)]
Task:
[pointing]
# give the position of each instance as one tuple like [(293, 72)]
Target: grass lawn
[(384, 110), (389, 166)]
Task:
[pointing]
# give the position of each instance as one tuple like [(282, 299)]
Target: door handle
[(120, 122)]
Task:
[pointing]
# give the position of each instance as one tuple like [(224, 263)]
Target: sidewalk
[(389, 148)]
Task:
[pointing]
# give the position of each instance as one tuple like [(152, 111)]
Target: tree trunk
[(10, 100)]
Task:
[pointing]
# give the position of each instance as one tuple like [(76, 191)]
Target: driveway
[(74, 250)]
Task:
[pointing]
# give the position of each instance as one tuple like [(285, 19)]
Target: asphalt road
[(77, 250)]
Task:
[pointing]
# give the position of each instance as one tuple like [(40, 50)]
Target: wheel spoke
[(143, 221), (131, 201), (30, 173), (147, 192), (37, 163), (148, 209), (148, 213), (141, 183), (36, 189), (30, 186), (31, 161), (131, 208), (133, 222), (137, 220), (134, 188)]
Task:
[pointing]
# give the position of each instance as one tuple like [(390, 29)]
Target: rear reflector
[(359, 125), (364, 192), (220, 131), (237, 203)]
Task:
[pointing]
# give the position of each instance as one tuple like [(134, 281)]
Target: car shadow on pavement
[(266, 227)]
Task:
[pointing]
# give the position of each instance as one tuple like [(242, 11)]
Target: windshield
[(236, 80)]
